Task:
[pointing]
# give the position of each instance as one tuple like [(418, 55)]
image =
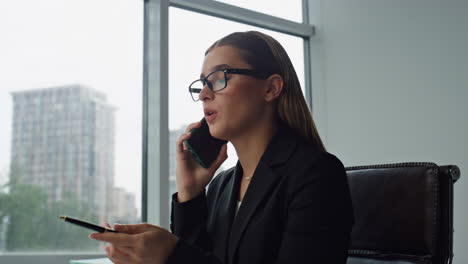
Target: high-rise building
[(125, 211), (3, 224), (63, 141)]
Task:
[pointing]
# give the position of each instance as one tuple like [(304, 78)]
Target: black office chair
[(403, 213)]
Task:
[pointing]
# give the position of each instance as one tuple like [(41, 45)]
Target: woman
[(286, 200)]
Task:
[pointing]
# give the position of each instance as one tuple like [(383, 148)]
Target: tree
[(32, 221)]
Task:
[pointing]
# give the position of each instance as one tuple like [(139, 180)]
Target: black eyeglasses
[(217, 80)]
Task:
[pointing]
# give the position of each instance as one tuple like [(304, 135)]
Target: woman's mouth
[(210, 116)]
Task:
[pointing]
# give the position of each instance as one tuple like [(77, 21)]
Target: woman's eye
[(220, 83)]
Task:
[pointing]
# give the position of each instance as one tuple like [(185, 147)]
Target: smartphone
[(204, 147), (86, 224)]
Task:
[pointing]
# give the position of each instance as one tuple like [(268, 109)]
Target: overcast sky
[(98, 43)]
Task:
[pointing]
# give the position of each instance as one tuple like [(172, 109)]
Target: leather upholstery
[(403, 213)]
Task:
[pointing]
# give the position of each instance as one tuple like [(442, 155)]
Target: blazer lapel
[(277, 153), (225, 211)]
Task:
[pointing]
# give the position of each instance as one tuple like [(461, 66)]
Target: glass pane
[(70, 100), (186, 56), (291, 10)]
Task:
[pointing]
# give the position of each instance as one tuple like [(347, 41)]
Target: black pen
[(85, 224)]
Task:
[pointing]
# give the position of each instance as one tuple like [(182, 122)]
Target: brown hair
[(266, 54)]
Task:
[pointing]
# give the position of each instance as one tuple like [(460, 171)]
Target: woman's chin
[(217, 133)]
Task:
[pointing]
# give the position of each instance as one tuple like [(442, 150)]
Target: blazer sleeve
[(188, 222), (185, 252), (320, 216)]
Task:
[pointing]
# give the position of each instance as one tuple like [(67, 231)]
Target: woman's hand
[(141, 243), (192, 178)]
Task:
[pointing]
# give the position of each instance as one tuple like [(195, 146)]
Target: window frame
[(155, 128), (46, 258)]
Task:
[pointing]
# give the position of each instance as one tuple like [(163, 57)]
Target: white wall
[(390, 84)]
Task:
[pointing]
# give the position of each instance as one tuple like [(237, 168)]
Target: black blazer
[(297, 209)]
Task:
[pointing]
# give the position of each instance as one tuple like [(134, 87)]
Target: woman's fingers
[(119, 239), (136, 228), (192, 126), (117, 256), (180, 146), (130, 251)]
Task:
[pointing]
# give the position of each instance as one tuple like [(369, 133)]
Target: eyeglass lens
[(217, 80)]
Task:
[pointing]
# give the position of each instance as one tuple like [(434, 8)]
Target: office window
[(58, 58), (292, 10), (187, 48)]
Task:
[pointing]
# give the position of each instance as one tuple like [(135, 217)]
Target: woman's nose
[(205, 93)]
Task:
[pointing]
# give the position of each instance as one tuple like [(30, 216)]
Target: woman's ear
[(274, 87)]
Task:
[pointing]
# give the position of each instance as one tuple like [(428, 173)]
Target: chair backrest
[(403, 213)]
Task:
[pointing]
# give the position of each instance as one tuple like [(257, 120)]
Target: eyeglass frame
[(249, 72)]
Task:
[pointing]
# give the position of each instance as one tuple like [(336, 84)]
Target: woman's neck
[(251, 145)]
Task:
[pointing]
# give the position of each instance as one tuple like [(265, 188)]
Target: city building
[(63, 141), (125, 211)]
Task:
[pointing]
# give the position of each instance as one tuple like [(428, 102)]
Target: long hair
[(264, 53)]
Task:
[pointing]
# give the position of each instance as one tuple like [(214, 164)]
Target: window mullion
[(156, 132)]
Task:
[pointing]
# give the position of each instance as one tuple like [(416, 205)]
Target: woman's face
[(240, 106)]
